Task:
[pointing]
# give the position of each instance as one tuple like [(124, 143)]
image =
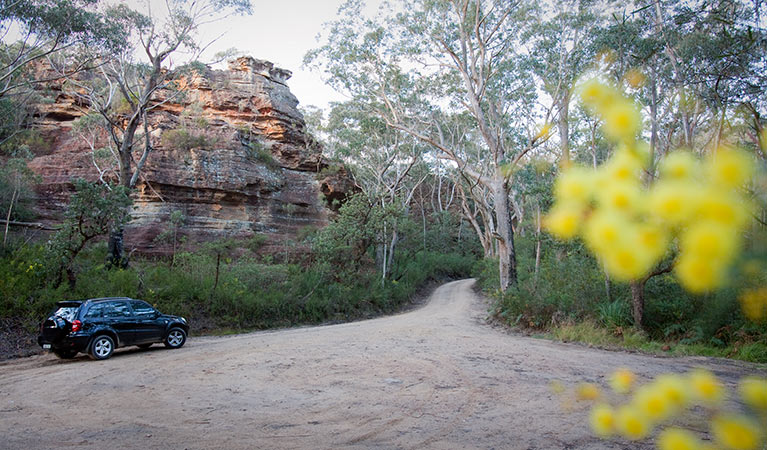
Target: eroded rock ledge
[(232, 154)]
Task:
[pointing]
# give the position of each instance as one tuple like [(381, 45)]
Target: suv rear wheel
[(102, 347), (175, 338)]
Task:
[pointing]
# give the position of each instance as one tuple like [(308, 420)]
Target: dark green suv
[(98, 326)]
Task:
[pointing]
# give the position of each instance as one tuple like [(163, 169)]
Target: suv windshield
[(66, 312)]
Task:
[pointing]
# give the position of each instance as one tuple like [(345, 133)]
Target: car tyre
[(176, 338), (65, 354), (102, 347)]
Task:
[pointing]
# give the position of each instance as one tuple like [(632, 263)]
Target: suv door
[(119, 316), (149, 328)]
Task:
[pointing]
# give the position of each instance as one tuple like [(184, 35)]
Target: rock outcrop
[(231, 154)]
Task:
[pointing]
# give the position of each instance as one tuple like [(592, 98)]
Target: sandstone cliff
[(231, 154)]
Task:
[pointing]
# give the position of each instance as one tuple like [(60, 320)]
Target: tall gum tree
[(559, 54), (437, 58)]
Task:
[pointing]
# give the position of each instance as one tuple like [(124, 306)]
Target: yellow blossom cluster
[(754, 303), (695, 205), (668, 396)]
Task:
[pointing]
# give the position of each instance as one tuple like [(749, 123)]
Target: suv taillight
[(76, 325)]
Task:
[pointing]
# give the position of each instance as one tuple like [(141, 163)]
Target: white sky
[(282, 31)]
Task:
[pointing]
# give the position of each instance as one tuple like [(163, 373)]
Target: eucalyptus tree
[(133, 80), (16, 180), (717, 49), (93, 209), (33, 31), (435, 58), (386, 163), (560, 52), (703, 61)]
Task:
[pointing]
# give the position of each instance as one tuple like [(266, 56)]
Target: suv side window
[(142, 309), (117, 310), (96, 311)]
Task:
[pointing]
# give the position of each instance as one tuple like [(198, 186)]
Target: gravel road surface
[(437, 377)]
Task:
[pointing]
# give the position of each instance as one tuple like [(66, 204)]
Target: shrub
[(185, 139), (261, 153)]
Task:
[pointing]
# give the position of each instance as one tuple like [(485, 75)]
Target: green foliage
[(554, 298), (614, 315), (333, 168), (93, 210), (345, 242), (66, 20), (575, 307), (256, 242), (186, 139), (16, 183), (261, 153), (249, 295)]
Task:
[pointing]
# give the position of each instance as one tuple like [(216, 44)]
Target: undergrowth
[(250, 293), (569, 301)]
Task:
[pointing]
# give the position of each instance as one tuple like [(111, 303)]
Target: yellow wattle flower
[(631, 424), (754, 303), (543, 132), (635, 78), (653, 403), (575, 184), (673, 202), (653, 240), (753, 390), (621, 120), (623, 167), (622, 380), (726, 208), (557, 387), (680, 165), (602, 420), (626, 261), (705, 387), (587, 391), (736, 432), (729, 167), (678, 439), (710, 240), (675, 389), (563, 221), (699, 274), (597, 95), (603, 231), (624, 196)]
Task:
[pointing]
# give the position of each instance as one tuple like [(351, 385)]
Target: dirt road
[(436, 377)]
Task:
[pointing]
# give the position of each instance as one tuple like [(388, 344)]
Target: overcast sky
[(282, 31)]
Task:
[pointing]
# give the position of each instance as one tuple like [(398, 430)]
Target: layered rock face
[(231, 154)]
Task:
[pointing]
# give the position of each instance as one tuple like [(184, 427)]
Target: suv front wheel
[(175, 338), (102, 347)]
